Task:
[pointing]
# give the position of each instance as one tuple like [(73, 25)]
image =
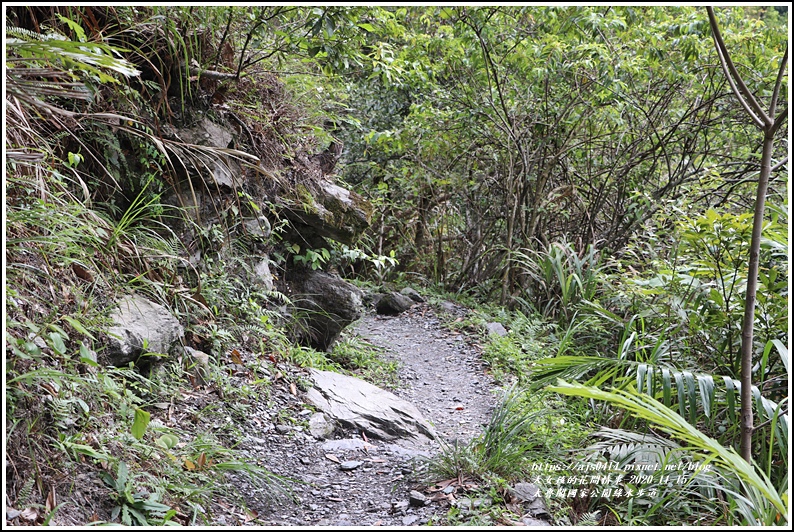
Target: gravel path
[(442, 375)]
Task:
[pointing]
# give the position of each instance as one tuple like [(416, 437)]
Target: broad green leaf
[(140, 423), (57, 343), (167, 441), (78, 327)]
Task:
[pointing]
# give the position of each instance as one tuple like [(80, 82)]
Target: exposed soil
[(441, 373)]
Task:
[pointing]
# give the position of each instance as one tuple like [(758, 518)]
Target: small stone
[(350, 465), (448, 306), (416, 498), (413, 294), (496, 328), (449, 489), (321, 426), (408, 520), (283, 429), (525, 491)]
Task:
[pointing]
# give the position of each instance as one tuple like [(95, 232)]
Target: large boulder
[(331, 211), (139, 322), (393, 303), (222, 172), (323, 305), (362, 406)]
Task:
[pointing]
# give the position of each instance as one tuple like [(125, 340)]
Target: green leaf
[(79, 327), (57, 343), (74, 26), (140, 423), (87, 357), (32, 349), (167, 441), (122, 475)]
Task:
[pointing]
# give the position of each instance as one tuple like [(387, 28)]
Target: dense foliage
[(588, 169)]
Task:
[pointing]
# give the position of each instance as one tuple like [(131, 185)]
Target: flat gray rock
[(363, 406), (350, 465)]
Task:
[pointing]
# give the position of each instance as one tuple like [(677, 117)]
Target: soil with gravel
[(442, 374), (348, 480)]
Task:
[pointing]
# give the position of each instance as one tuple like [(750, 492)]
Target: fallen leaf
[(29, 514), (50, 503), (202, 460), (278, 376), (458, 408), (82, 273), (235, 354), (292, 389), (199, 298), (190, 466), (250, 515), (333, 458)]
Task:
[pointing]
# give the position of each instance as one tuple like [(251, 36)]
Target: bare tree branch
[(749, 100), (778, 82)]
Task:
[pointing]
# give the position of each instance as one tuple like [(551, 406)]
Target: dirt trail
[(442, 375)]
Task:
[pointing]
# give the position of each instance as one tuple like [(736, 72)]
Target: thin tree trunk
[(749, 303), (767, 123)]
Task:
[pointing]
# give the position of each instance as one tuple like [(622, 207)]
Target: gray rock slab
[(257, 228), (140, 322), (333, 212), (263, 273), (363, 406)]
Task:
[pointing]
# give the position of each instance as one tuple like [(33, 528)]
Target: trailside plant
[(138, 508)]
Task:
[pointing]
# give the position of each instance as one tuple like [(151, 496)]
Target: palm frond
[(759, 490)]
